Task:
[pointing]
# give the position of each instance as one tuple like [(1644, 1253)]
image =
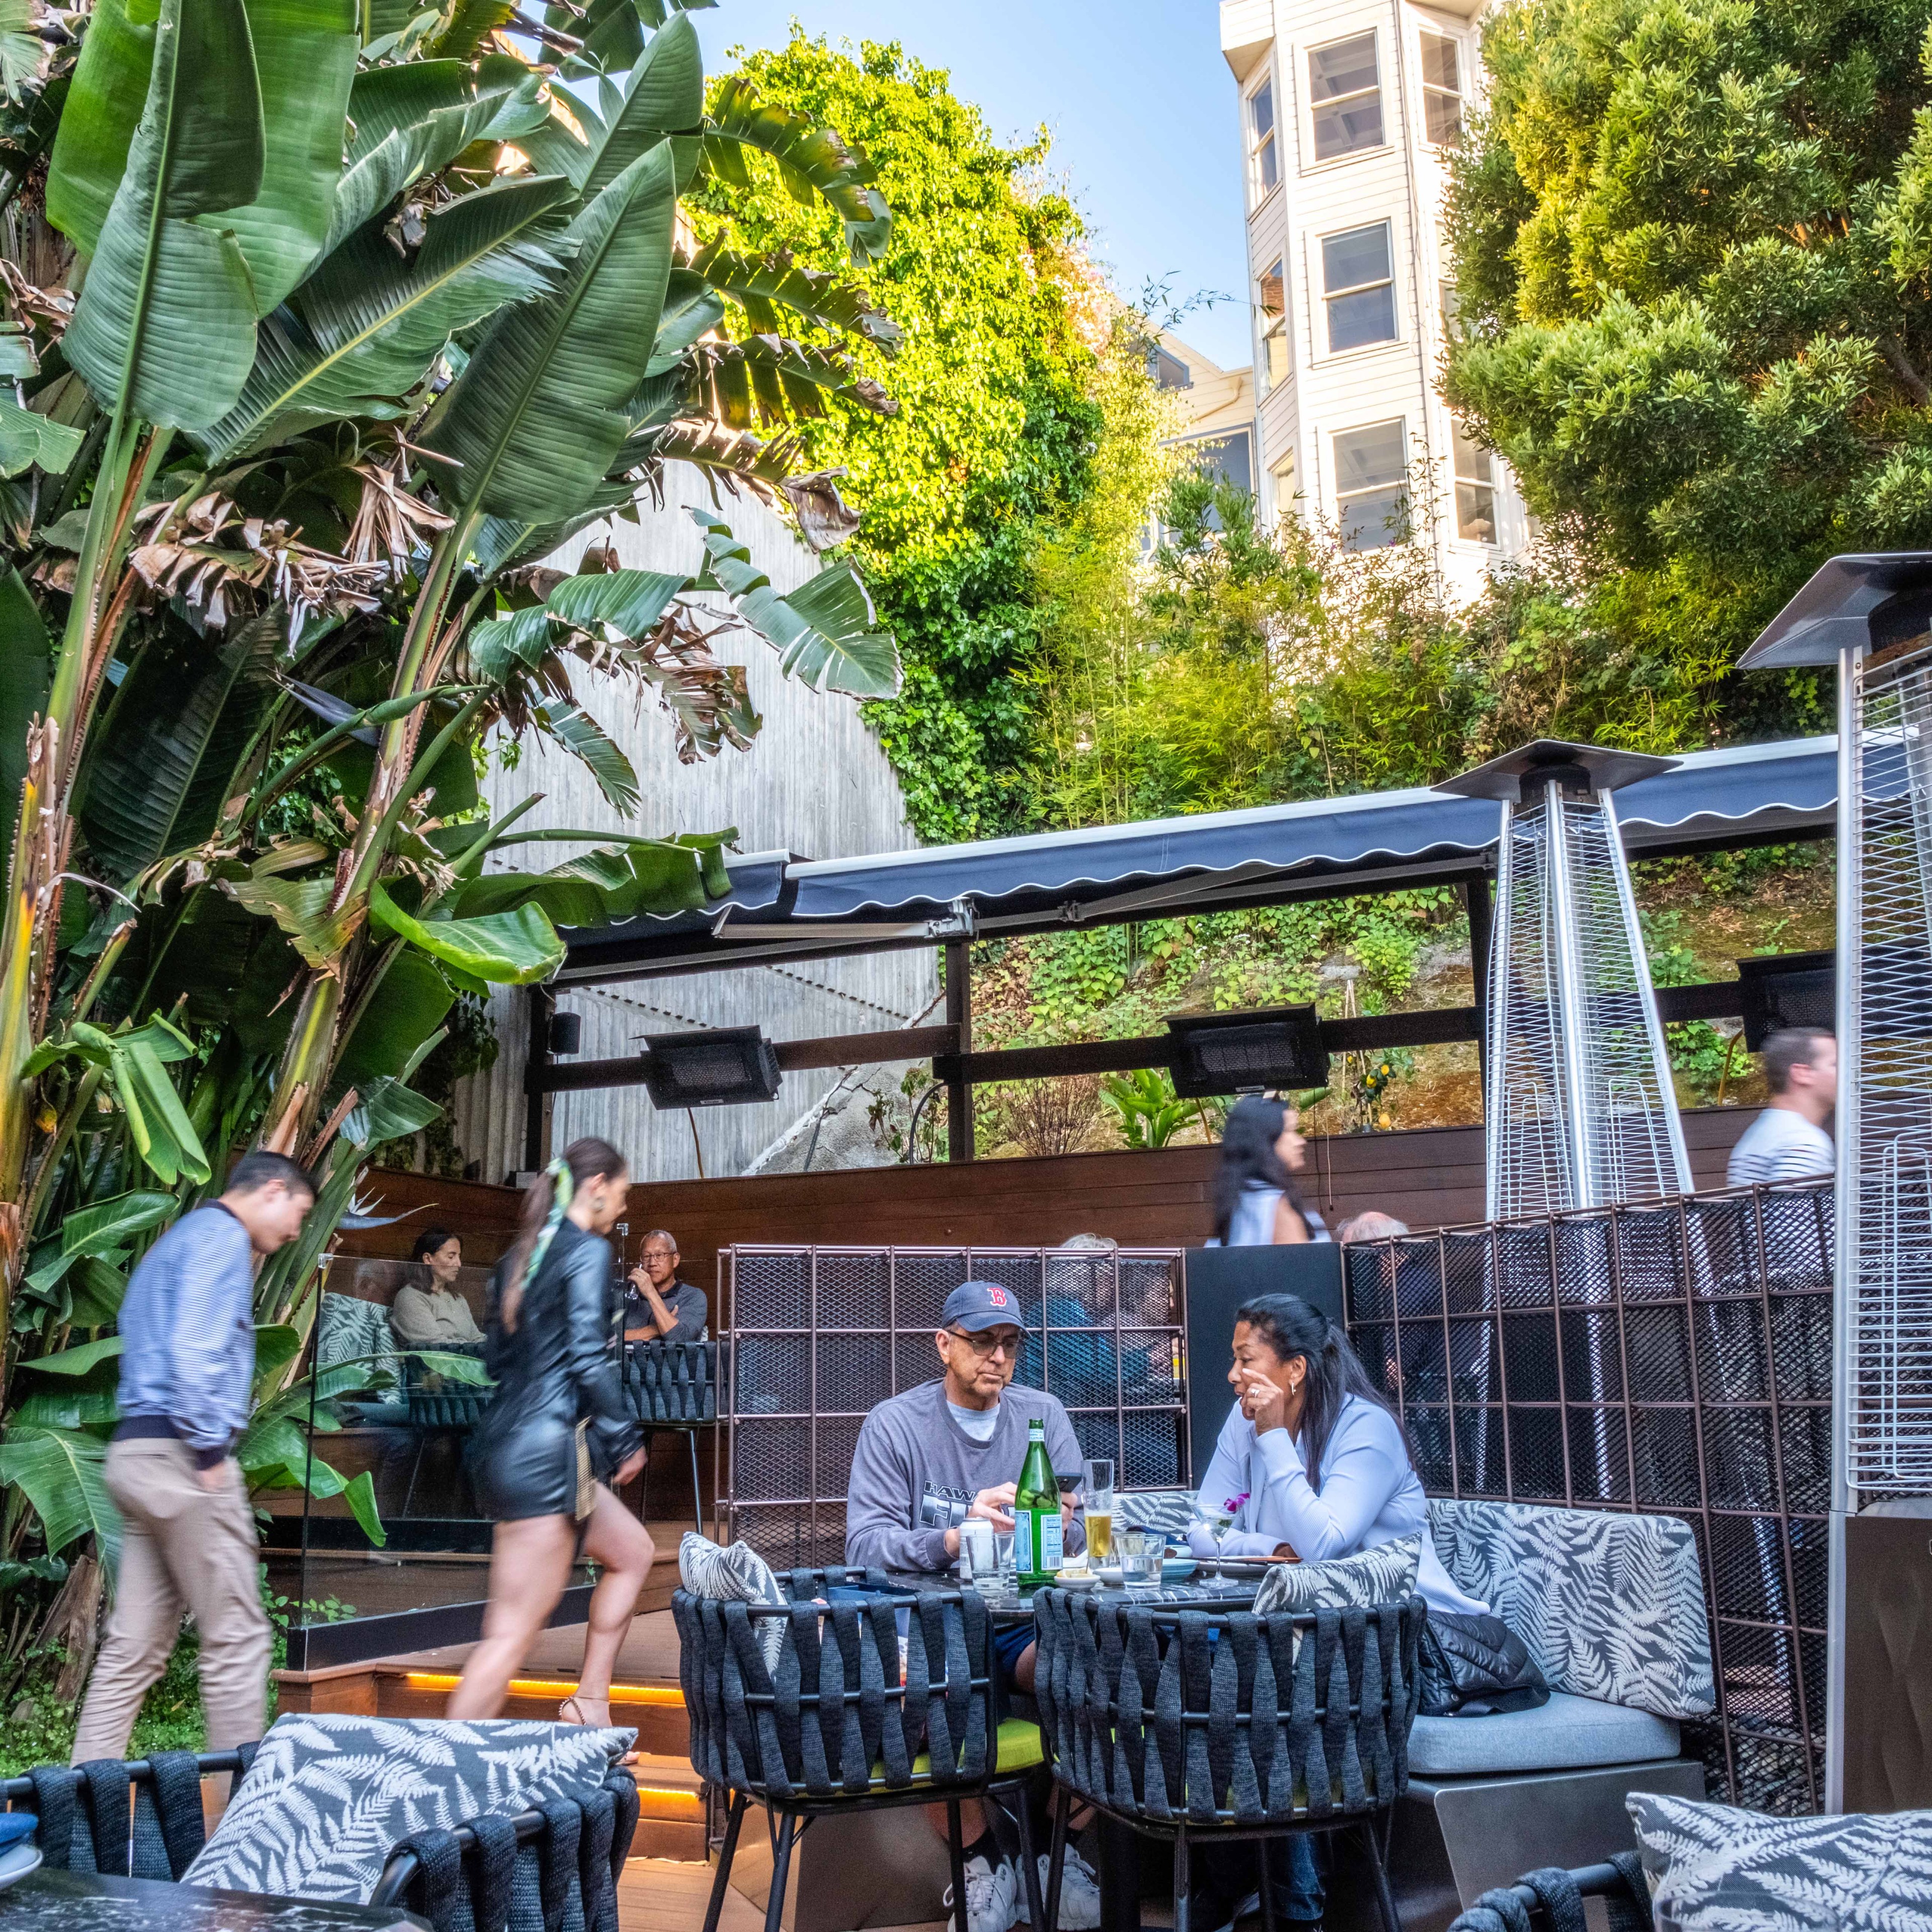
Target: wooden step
[(655, 1709), (671, 1809)]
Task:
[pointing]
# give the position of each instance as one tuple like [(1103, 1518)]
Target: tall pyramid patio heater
[(1579, 1109), (1869, 616)]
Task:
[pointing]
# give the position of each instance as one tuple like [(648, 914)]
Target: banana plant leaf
[(301, 908), (413, 118), (825, 632), (385, 1111), (26, 675), (364, 329), (762, 284), (97, 117), (103, 1226), (581, 734), (28, 441), (600, 887), (80, 1360), (812, 161), (516, 948), (62, 1472), (165, 325), (540, 410), (305, 61), (663, 95), (406, 1007), (162, 761)]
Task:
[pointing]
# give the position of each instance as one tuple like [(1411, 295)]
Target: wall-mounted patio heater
[(1579, 1109), (1869, 616)]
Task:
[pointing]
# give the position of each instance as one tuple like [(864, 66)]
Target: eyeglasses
[(661, 1254), (987, 1343)]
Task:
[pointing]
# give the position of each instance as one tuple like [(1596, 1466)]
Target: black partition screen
[(1669, 1357), (821, 1335)]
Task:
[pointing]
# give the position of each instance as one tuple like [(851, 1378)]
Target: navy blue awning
[(1168, 867)]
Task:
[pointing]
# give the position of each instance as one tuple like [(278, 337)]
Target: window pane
[(1438, 63), (1374, 521), (1442, 118), (1356, 255), (1445, 293), (1261, 110), (1349, 67), (1365, 459), (1275, 359), (1475, 513), (1273, 289), (1472, 461), (1342, 129), (1356, 319), (1266, 166)]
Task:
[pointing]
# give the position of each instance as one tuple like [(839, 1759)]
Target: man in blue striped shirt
[(188, 1369)]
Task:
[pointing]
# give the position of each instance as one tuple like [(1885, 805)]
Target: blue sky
[(1139, 102)]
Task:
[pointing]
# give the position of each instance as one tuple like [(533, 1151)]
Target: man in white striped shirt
[(1788, 1142)]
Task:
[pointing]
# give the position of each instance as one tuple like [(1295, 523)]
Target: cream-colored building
[(1350, 111)]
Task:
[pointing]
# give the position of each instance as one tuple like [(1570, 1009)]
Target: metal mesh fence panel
[(821, 1335), (1673, 1358)]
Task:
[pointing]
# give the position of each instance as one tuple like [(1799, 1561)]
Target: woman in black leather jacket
[(555, 1435)]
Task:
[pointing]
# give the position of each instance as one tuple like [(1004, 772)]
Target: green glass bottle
[(1037, 1553)]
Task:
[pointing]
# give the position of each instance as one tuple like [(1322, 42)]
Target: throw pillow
[(329, 1797), (352, 1330), (734, 1574), (1385, 1574), (1728, 1870)]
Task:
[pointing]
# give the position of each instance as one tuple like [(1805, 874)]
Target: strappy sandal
[(570, 1711)]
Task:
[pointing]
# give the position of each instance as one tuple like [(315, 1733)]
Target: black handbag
[(1476, 1667)]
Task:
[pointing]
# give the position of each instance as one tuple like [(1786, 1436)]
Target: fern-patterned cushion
[(1723, 1870), (328, 1797), (1566, 1734), (1611, 1606)]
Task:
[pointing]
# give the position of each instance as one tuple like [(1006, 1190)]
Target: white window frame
[(1343, 498), (1309, 104), (1433, 90), (1272, 329), (1255, 147), (1472, 476), (1321, 295)]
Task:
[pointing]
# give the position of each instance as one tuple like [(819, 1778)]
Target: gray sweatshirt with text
[(915, 1472)]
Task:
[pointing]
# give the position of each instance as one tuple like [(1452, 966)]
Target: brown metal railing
[(1673, 1357)]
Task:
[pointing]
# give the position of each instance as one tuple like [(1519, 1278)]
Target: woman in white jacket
[(1312, 1463)]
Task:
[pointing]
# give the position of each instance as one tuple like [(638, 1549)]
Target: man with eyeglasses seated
[(661, 1307), (927, 1460)]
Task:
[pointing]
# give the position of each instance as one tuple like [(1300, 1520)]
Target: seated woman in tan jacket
[(437, 1316)]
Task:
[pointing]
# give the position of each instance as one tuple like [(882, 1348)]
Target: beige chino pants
[(183, 1548)]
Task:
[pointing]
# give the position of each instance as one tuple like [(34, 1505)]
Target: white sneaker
[(1079, 1894), (990, 1893)]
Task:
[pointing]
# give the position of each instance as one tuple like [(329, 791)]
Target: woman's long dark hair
[(1248, 1158), (588, 1159), (1291, 1327)]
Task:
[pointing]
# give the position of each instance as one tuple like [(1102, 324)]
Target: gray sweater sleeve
[(880, 1504)]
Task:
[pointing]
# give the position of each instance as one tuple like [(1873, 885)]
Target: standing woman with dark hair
[(556, 1436), (1256, 1203)]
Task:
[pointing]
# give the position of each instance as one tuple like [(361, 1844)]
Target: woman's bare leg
[(529, 1564), (623, 1548)]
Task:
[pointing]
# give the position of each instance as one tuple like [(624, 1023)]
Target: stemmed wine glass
[(1219, 1522)]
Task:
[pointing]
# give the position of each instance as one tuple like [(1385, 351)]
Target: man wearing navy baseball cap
[(928, 1459)]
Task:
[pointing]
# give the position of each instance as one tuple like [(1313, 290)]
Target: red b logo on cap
[(997, 1296)]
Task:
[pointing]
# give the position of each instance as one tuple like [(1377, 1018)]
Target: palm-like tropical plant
[(373, 312)]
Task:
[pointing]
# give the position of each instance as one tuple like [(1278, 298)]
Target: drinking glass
[(976, 1559), (1097, 1501), (1003, 1559), (1141, 1552), (1220, 1522)]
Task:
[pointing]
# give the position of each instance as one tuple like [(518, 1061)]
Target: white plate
[(17, 1864), (1174, 1570)]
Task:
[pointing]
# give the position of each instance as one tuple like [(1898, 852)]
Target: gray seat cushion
[(1566, 1734)]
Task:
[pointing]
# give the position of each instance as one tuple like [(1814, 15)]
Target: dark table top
[(60, 1901)]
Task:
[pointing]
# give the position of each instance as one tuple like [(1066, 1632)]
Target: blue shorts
[(1010, 1643)]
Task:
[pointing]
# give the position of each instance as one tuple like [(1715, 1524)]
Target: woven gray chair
[(673, 1385), (832, 1725), (553, 1868), (1205, 1726)]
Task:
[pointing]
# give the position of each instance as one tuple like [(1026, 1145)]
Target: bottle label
[(1023, 1543), (1052, 1553)]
